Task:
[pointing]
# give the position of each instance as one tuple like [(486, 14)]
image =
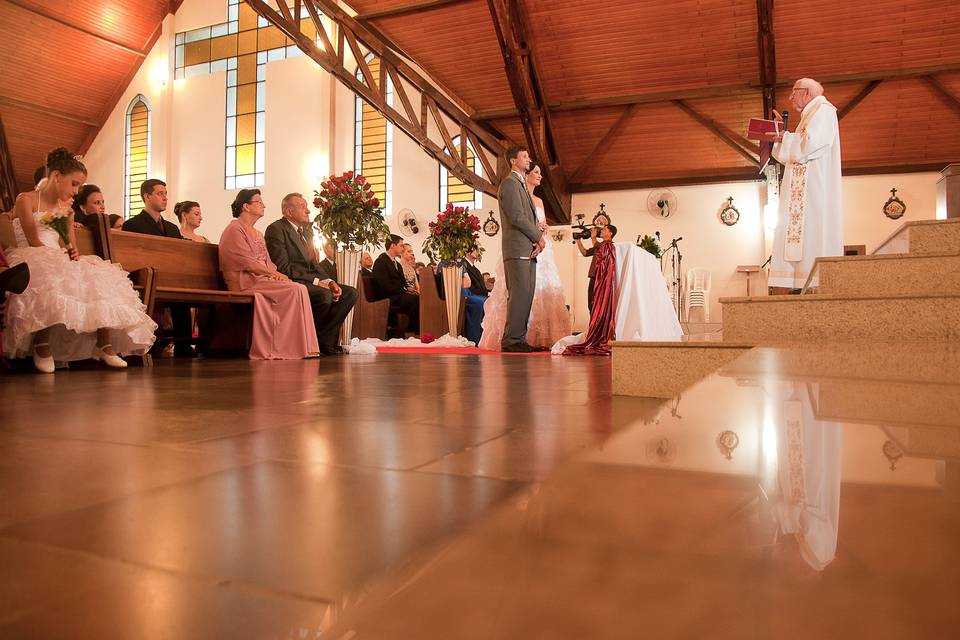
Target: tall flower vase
[(452, 285), (348, 271)]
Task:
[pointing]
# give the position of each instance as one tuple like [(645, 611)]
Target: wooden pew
[(188, 272), (369, 315), (433, 310)]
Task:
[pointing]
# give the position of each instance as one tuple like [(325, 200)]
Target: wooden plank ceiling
[(65, 66), (611, 72), (598, 58)]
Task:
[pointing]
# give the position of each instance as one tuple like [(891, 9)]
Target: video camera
[(600, 220), (584, 229)]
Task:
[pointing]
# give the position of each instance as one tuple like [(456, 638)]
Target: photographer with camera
[(606, 233)]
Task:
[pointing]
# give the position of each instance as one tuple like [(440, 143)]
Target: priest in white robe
[(810, 221)]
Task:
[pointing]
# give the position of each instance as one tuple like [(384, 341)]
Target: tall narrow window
[(455, 190), (137, 154), (373, 145)]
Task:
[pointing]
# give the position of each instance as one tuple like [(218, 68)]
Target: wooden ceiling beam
[(523, 75), (736, 174), (767, 52), (54, 18), (604, 141), (404, 9), (627, 100), (47, 111), (8, 177), (384, 48), (857, 99), (722, 91), (350, 36), (734, 140), (915, 167), (948, 96), (733, 174)]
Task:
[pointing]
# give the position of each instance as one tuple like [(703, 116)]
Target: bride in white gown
[(75, 307), (549, 316)]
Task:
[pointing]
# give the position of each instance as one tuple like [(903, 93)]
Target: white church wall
[(864, 197)]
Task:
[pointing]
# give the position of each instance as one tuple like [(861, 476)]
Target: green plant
[(453, 235), (649, 243), (350, 213)]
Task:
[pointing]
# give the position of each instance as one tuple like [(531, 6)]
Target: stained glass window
[(453, 189), (373, 143), (242, 46), (136, 154)]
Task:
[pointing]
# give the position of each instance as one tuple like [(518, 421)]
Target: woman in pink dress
[(282, 319)]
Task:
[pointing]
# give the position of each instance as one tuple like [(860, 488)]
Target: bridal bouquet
[(454, 233), (350, 213), (59, 221)]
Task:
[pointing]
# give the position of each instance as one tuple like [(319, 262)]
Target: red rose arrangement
[(453, 234), (350, 212)]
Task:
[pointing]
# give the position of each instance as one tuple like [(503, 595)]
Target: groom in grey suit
[(522, 242)]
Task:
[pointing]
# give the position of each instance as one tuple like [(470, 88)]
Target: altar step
[(926, 442), (826, 317), (664, 369), (890, 274), (923, 237), (884, 364)]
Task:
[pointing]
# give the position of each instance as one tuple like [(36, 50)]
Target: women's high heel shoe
[(107, 359), (43, 364)]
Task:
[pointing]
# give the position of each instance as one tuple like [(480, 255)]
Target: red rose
[(376, 202), (317, 202), (348, 174)]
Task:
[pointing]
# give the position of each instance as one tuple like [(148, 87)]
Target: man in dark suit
[(329, 263), (150, 221), (290, 245), (389, 283), (366, 265)]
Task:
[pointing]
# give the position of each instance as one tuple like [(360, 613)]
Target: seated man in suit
[(290, 245), (150, 221), (366, 264), (390, 283), (329, 263)]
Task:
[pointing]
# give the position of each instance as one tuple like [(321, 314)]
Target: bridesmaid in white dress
[(76, 307), (549, 317)]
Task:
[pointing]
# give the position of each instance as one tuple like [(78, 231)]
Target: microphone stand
[(676, 265)]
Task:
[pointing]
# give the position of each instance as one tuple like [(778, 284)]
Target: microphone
[(786, 117)]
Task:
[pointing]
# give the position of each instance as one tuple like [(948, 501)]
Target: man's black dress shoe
[(331, 350), (520, 347), (14, 280)]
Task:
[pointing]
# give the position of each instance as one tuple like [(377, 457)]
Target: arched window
[(373, 144), (137, 154), (453, 189)]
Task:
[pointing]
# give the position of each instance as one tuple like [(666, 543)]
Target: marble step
[(937, 363), (923, 237), (825, 317), (890, 403), (890, 275), (926, 442), (664, 369)]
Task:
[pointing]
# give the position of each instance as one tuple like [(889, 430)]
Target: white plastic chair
[(698, 292)]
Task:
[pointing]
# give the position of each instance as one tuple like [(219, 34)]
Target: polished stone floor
[(795, 493), (228, 498)]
